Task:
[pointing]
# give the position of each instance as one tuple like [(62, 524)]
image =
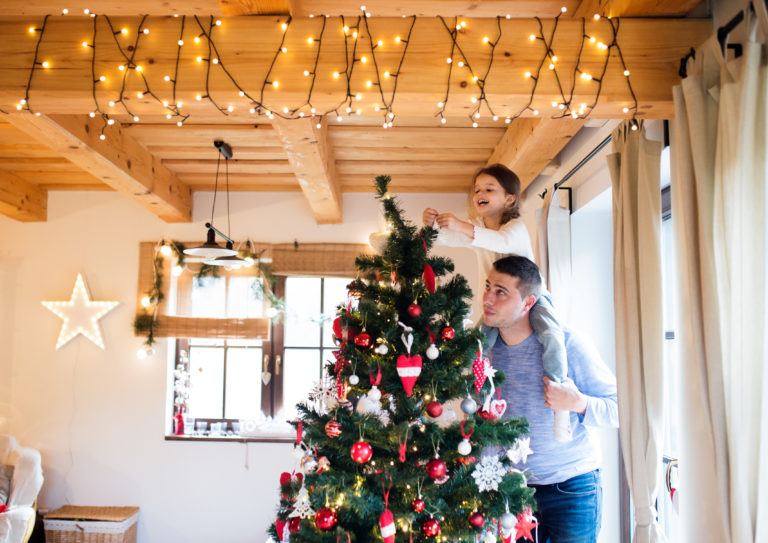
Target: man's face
[(503, 307)]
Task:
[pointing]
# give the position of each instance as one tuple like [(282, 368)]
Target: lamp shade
[(210, 249), (233, 260)]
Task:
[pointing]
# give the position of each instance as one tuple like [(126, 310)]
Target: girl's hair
[(509, 182)]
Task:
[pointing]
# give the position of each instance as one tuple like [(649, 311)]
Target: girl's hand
[(450, 222), (429, 216)]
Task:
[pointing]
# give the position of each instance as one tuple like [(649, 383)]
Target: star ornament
[(80, 315)]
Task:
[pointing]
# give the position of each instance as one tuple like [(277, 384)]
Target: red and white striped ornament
[(386, 520)]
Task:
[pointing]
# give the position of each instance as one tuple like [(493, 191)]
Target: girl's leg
[(550, 334)]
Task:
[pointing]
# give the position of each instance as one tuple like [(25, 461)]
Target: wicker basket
[(85, 524)]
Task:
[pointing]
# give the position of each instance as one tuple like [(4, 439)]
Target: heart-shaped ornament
[(498, 407), (265, 377), (409, 369)]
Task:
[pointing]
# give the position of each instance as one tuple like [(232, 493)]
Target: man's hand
[(429, 216), (564, 395)]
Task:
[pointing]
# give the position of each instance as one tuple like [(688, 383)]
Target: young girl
[(497, 231)]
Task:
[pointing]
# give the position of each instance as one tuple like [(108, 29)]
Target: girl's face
[(490, 198)]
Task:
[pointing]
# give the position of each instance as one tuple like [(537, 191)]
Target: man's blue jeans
[(571, 511)]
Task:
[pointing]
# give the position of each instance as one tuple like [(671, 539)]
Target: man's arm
[(592, 391)]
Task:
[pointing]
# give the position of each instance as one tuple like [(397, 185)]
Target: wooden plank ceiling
[(52, 143)]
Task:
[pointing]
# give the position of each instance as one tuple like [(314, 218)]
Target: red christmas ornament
[(333, 428), (361, 452), (436, 468), (341, 362), (414, 310), (434, 409), (325, 519), (525, 523), (417, 505), (286, 478), (486, 415), (478, 369), (431, 528), (476, 520), (409, 369), (279, 528), (447, 333), (178, 423), (338, 330), (294, 525), (387, 526), (363, 340), (429, 278)]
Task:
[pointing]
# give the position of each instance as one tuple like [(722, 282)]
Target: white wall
[(98, 417)]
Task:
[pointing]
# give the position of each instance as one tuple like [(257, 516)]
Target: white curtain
[(559, 250), (635, 167), (719, 196), (554, 247)]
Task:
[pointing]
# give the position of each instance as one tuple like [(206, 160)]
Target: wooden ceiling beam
[(378, 8), (652, 49), (118, 160), (634, 8), (431, 8), (21, 200), (148, 7), (311, 157), (529, 145)]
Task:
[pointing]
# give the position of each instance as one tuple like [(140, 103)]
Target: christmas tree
[(380, 455)]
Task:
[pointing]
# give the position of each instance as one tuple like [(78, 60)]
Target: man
[(566, 476)]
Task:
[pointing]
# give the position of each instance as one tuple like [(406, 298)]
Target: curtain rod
[(578, 166)]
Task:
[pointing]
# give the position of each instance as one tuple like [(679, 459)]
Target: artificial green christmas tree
[(380, 455)]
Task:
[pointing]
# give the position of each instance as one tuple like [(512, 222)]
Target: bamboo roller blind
[(307, 259)]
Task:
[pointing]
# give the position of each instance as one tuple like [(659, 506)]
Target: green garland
[(145, 322)]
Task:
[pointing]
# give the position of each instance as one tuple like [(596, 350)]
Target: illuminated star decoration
[(80, 315)]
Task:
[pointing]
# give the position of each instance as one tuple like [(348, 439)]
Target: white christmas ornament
[(465, 447), (489, 473), (354, 379), (374, 394), (432, 352), (303, 508), (520, 451), (80, 315)]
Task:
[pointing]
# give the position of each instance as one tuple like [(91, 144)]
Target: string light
[(456, 57)]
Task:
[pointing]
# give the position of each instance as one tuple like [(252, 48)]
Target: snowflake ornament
[(323, 396), (489, 473), (303, 508)]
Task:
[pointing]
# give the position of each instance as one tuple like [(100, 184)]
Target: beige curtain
[(559, 251), (635, 167), (719, 202)]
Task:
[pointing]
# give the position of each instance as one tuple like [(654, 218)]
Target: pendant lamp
[(210, 250)]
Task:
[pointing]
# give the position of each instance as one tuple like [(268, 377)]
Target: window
[(668, 516), (236, 380), (233, 362)]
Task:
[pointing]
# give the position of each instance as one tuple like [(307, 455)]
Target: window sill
[(233, 439)]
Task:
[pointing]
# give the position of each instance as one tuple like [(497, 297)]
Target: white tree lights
[(80, 315)]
